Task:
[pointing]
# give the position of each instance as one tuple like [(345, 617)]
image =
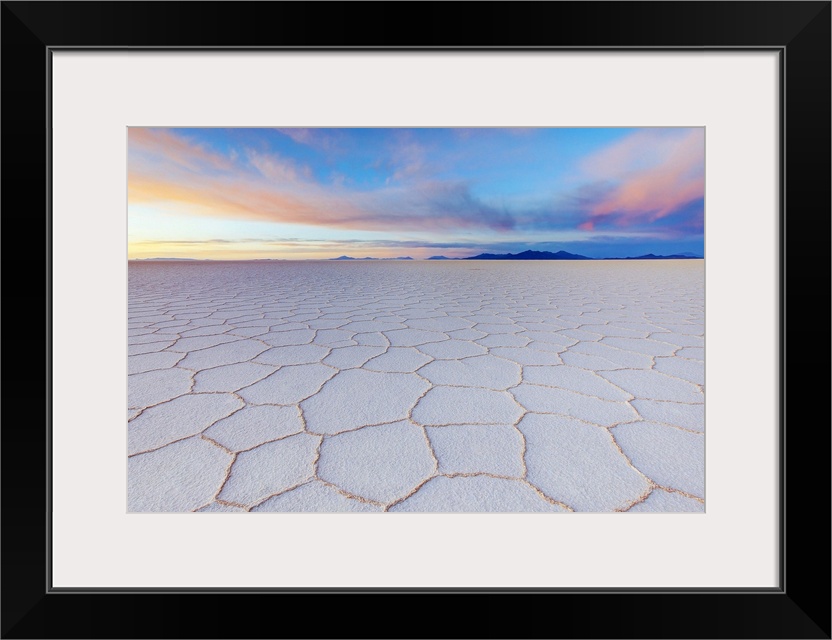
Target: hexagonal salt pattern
[(358, 398), (379, 464), (183, 474), (416, 386), (270, 469)]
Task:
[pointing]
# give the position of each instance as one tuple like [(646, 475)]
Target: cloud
[(267, 187), (194, 242), (436, 205), (430, 206), (408, 158), (174, 149), (647, 183), (645, 177), (277, 169), (316, 138)]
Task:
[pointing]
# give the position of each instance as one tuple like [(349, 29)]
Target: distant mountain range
[(565, 255), (530, 255), (349, 258), (652, 256)]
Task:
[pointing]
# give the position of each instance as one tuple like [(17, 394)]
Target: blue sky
[(319, 193)]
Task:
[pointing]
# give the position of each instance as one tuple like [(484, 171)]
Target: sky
[(297, 194)]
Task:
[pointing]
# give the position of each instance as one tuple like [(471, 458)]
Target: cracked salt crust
[(408, 386), (315, 496)]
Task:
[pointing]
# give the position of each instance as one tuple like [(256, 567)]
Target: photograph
[(430, 320)]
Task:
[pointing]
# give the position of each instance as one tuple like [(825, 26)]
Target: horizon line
[(410, 259)]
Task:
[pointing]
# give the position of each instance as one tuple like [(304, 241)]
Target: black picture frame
[(798, 608)]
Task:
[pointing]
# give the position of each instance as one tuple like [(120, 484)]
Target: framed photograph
[(430, 315)]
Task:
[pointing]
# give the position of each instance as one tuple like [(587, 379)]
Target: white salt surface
[(416, 386)]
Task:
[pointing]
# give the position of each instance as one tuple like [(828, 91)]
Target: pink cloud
[(654, 172), (170, 172), (279, 191), (175, 149), (278, 169)]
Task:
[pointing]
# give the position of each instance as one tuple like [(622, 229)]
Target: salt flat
[(433, 386)]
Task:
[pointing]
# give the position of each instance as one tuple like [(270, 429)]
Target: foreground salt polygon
[(453, 386)]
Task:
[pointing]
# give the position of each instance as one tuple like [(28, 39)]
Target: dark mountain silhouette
[(653, 256), (368, 258), (530, 255)]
